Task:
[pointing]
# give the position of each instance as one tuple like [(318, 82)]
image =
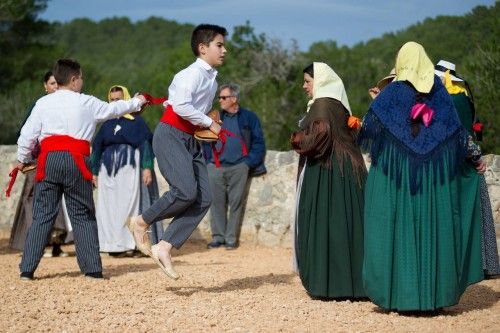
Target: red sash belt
[(77, 148), (173, 119)]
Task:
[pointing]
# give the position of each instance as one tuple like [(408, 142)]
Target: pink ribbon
[(423, 111)]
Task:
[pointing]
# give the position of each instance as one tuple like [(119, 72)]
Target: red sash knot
[(77, 148)]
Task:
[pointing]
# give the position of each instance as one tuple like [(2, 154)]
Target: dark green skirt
[(329, 244), (423, 250)]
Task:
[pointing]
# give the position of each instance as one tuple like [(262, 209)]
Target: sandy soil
[(251, 289)]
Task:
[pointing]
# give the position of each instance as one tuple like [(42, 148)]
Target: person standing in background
[(381, 84), (243, 157), (24, 211), (461, 96), (123, 169)]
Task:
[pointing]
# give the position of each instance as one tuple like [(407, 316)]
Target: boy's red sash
[(173, 119), (77, 148)]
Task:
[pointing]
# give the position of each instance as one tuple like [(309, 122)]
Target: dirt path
[(251, 289)]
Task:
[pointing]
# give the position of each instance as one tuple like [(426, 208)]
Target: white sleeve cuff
[(207, 121)]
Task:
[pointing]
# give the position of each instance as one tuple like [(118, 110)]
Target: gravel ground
[(251, 289)]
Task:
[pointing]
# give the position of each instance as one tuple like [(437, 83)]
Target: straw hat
[(386, 80)]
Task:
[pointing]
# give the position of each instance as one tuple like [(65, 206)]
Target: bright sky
[(345, 21)]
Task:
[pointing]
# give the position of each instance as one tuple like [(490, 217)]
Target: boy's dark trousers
[(182, 164), (63, 176)]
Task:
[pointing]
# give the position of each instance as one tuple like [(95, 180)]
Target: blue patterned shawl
[(109, 146), (388, 125)]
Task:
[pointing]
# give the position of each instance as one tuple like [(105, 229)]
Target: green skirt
[(422, 250), (329, 241)]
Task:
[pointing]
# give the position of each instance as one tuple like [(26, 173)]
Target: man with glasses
[(228, 181)]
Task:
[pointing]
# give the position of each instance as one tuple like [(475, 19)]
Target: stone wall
[(271, 198)]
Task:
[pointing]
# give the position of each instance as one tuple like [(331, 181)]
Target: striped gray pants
[(63, 176), (182, 164)]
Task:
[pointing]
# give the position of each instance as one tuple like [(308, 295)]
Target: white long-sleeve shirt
[(66, 112), (192, 92)]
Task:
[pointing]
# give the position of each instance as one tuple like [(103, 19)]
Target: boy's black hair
[(204, 34), (64, 69)]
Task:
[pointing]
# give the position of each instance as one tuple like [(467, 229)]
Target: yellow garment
[(126, 97), (453, 87), (327, 83), (413, 65)]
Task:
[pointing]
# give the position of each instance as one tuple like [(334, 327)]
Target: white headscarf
[(328, 84)]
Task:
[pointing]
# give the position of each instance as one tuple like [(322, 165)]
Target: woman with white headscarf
[(329, 225), (422, 213)]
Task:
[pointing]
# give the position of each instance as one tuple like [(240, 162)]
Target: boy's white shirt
[(66, 112), (192, 92)]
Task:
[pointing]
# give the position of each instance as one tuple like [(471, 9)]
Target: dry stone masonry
[(270, 207)]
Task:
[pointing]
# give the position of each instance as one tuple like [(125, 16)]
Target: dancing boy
[(64, 123), (179, 156)]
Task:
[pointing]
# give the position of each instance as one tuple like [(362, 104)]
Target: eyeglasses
[(224, 97)]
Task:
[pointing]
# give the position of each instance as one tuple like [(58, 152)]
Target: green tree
[(26, 51), (145, 55), (270, 77), (484, 69)]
